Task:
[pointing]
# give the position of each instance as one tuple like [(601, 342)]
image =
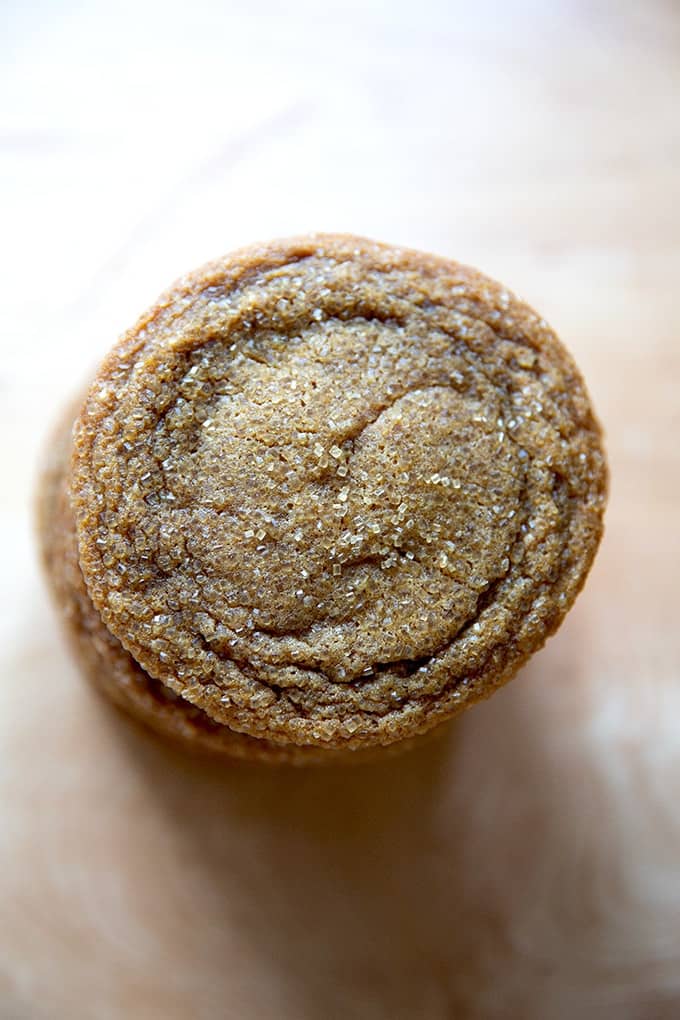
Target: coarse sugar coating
[(329, 491)]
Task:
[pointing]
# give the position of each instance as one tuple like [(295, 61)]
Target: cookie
[(327, 493)]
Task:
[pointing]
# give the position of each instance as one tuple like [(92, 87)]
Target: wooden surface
[(528, 865)]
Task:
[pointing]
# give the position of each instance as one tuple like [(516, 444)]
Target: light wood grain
[(526, 866)]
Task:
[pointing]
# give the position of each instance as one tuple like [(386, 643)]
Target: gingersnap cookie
[(327, 493)]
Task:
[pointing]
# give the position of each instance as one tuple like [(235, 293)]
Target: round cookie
[(330, 492)]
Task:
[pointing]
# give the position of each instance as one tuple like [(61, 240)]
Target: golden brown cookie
[(328, 493)]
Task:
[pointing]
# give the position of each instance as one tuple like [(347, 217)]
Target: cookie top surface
[(327, 489)]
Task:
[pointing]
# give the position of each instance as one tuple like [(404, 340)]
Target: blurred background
[(528, 864)]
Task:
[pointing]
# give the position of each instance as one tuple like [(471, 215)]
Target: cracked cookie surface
[(330, 491)]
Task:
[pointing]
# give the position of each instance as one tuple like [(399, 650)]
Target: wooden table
[(528, 864)]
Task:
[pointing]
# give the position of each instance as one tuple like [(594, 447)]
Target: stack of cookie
[(322, 497)]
